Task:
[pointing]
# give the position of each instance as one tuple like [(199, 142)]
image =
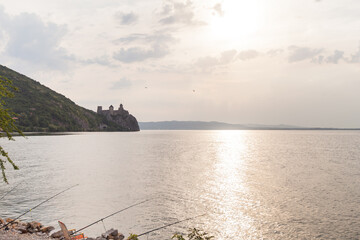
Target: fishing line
[(38, 205), (103, 224), (12, 189), (156, 229), (136, 204)]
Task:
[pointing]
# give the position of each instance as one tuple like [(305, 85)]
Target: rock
[(35, 225), (41, 234), (57, 234), (21, 229), (2, 221), (122, 118), (120, 236), (100, 238), (114, 233), (9, 220), (110, 234), (47, 229), (24, 224)]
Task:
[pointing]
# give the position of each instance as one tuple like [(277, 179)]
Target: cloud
[(298, 54), (335, 57), (218, 10), (126, 18), (159, 47), (249, 54), (139, 54), (122, 83), (226, 57), (103, 60), (207, 62), (178, 13), (319, 59), (157, 37), (303, 53), (33, 41), (355, 58), (274, 52)]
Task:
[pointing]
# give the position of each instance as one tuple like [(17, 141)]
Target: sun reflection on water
[(229, 184)]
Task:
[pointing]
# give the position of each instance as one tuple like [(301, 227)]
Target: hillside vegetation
[(40, 109)]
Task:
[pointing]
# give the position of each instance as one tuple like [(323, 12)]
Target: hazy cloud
[(174, 12), (226, 57), (158, 42), (218, 10), (103, 60), (32, 40), (138, 54), (122, 83), (248, 54), (126, 18), (355, 58), (335, 57), (157, 37), (319, 59), (207, 62), (274, 52), (302, 53)]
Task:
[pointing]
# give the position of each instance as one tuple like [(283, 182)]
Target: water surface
[(251, 184)]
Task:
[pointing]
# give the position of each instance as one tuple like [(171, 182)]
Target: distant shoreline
[(260, 129), (29, 134), (199, 125)]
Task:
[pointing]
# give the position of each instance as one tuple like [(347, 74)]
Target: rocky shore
[(18, 230), (23, 230), (13, 235)]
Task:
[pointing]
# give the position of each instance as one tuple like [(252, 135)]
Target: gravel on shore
[(12, 235)]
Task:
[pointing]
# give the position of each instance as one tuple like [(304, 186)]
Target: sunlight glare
[(230, 184), (240, 19)]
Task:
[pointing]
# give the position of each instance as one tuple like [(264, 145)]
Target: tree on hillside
[(7, 126)]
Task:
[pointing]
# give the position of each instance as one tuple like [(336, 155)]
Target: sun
[(237, 20)]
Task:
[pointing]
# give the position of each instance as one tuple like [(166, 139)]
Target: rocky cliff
[(121, 117)]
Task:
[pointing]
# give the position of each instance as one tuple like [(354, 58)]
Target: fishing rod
[(12, 189), (38, 205), (100, 220), (168, 225)]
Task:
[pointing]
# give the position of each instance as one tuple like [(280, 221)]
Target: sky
[(294, 62)]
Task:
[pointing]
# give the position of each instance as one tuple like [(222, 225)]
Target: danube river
[(250, 184)]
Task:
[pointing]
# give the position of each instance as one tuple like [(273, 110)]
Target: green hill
[(40, 109)]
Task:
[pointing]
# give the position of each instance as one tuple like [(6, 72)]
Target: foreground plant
[(194, 234), (7, 123), (133, 237)]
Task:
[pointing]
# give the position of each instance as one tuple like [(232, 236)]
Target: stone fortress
[(121, 117), (111, 110)]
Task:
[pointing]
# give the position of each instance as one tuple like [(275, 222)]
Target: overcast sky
[(239, 61)]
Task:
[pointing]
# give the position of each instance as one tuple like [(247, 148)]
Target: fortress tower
[(111, 110), (99, 109)]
